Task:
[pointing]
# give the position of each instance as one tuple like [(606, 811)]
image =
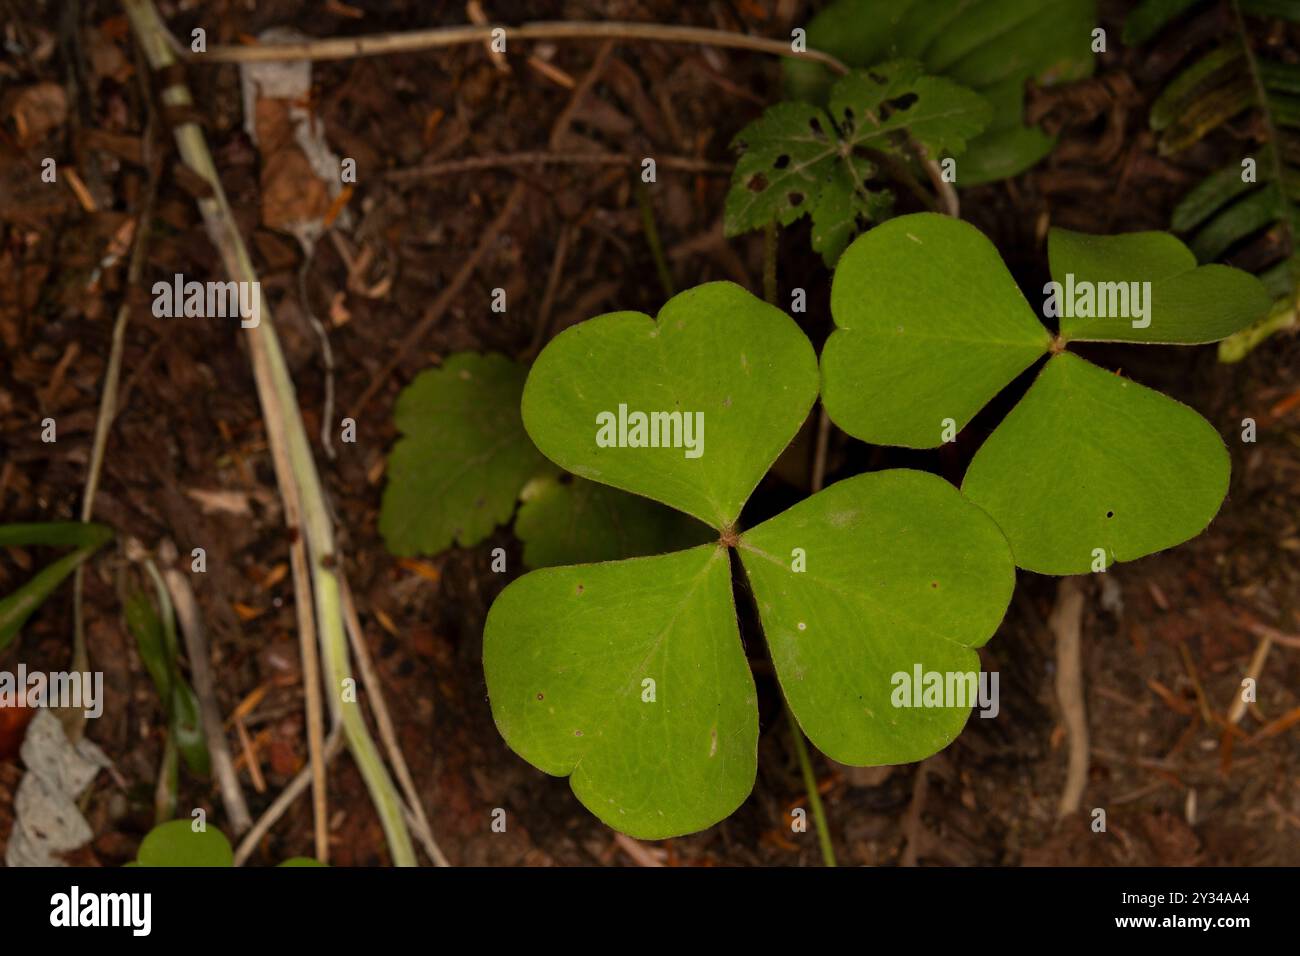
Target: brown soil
[(1167, 639)]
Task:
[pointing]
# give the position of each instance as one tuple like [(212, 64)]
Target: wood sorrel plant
[(629, 676), (1089, 468)]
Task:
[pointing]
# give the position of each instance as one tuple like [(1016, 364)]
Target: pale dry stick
[(295, 465), (75, 720), (1238, 708), (1067, 625), (342, 48), (272, 814), (641, 854), (387, 732), (187, 612), (1260, 629), (451, 167)]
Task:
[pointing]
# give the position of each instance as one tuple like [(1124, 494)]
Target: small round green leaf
[(689, 410), (1092, 468), (885, 574), (566, 520), (630, 678), (456, 472), (1146, 287), (175, 843), (929, 327)]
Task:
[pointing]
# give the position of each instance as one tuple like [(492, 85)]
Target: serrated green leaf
[(716, 354), (175, 843), (580, 522), (901, 573), (455, 473), (567, 653), (86, 538), (1089, 460), (1183, 303), (798, 158), (929, 326), (993, 47)]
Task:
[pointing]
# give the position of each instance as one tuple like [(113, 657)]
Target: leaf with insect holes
[(1089, 461), (1185, 304), (929, 325), (630, 676), (993, 47), (798, 158), (455, 473)]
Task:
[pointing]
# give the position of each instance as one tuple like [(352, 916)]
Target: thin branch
[(1067, 624), (342, 48), (196, 649), (295, 466), (451, 167), (286, 798)]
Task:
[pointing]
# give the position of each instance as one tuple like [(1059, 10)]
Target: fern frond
[(1249, 210)]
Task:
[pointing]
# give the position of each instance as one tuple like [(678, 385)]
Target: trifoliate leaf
[(885, 574), (798, 157), (566, 520), (1146, 287), (690, 409), (455, 473), (629, 677), (1092, 468), (929, 326)]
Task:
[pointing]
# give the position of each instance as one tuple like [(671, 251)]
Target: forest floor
[(1167, 639)]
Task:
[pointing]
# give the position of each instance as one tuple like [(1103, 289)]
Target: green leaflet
[(929, 326), (176, 843), (991, 46), (716, 355), (85, 538), (901, 573), (1185, 304), (1092, 468), (799, 158), (567, 653), (457, 470)]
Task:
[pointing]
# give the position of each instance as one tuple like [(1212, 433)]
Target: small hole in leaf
[(876, 77), (816, 127), (1110, 514), (901, 102), (796, 199), (757, 183), (580, 589), (782, 162), (577, 733), (541, 696), (934, 584)]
